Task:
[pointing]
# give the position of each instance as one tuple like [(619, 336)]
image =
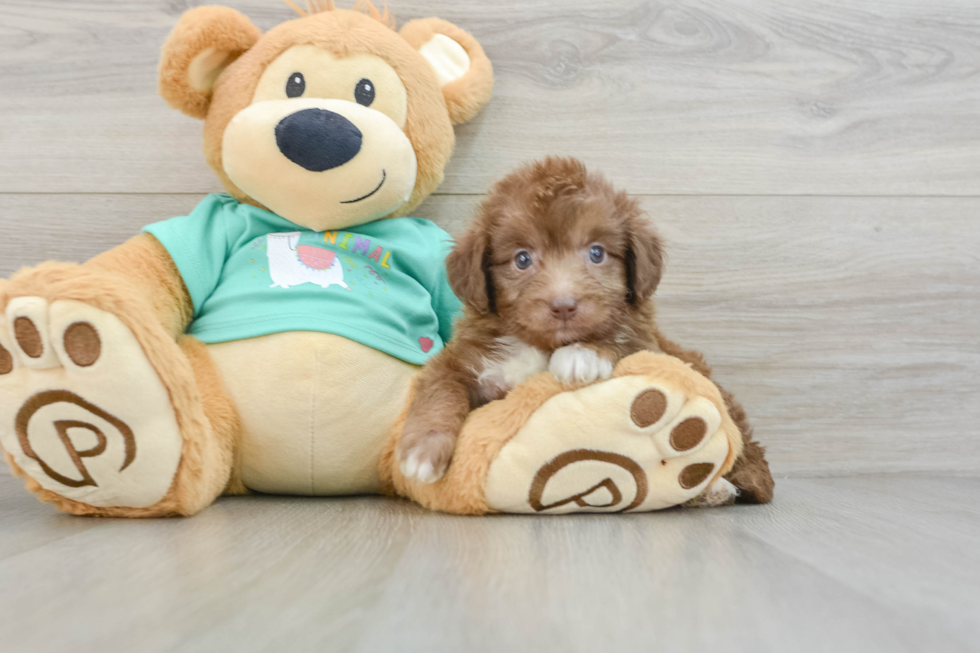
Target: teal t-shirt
[(251, 273)]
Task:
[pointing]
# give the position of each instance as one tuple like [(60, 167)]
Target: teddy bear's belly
[(316, 410)]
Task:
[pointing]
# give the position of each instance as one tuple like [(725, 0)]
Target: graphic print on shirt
[(292, 264)]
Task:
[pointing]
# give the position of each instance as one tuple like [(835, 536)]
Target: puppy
[(556, 274)]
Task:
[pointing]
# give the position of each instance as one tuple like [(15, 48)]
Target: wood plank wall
[(814, 167)]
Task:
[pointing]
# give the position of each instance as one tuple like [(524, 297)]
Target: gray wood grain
[(685, 97), (847, 326), (870, 564)]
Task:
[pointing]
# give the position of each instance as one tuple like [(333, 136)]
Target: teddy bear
[(268, 341)]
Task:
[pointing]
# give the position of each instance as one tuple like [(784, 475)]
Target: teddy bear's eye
[(296, 85), (364, 92)]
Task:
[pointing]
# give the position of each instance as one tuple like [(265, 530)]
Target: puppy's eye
[(522, 259), (597, 254), (364, 92), (296, 85)]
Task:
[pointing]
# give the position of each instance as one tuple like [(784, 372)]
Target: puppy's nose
[(318, 139), (563, 308)]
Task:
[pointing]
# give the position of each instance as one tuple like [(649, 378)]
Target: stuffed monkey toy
[(268, 340)]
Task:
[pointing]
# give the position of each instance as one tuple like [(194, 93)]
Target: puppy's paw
[(578, 364), (719, 493), (425, 456)]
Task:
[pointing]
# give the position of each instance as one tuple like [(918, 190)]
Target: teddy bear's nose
[(318, 139)]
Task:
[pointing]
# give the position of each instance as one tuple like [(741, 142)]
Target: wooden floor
[(814, 167), (879, 563)]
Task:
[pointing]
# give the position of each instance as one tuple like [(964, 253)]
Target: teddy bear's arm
[(142, 261)]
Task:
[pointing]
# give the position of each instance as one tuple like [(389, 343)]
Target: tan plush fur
[(466, 96), (139, 283), (209, 69), (490, 428), (750, 472), (220, 28), (204, 466), (675, 370), (146, 264), (221, 413), (431, 111), (486, 432)]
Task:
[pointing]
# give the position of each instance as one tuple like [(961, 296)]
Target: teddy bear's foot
[(654, 436), (82, 411)]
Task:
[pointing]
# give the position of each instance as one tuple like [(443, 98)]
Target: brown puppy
[(557, 273)]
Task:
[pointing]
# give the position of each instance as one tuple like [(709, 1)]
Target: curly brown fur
[(556, 273), (516, 320)]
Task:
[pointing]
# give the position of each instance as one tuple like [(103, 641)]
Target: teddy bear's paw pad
[(632, 443), (82, 411), (678, 424)]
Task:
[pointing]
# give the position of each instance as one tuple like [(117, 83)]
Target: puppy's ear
[(201, 45), (644, 258), (469, 268), (462, 68)]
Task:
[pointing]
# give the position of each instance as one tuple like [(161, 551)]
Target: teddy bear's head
[(330, 120)]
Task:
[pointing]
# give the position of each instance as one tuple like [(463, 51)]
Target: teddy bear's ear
[(462, 68), (201, 45)]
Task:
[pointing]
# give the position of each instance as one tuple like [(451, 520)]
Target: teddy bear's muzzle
[(321, 163)]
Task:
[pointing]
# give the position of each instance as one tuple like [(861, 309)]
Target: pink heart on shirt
[(426, 344)]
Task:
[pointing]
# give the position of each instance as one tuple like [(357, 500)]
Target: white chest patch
[(511, 363)]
